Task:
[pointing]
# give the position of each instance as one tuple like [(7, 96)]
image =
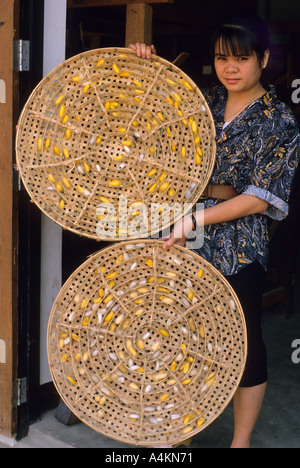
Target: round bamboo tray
[(106, 138), (147, 346)]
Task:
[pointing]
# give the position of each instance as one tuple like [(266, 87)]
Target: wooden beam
[(99, 3), (8, 326), (138, 24)]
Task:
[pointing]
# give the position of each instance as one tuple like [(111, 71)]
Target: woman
[(257, 155)]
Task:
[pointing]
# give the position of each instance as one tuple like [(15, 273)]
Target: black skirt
[(249, 285)]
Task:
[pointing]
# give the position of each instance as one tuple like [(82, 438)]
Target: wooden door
[(8, 321)]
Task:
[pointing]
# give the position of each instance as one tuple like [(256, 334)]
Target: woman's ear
[(266, 58)]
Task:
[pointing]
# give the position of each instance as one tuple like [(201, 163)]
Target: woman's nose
[(231, 66)]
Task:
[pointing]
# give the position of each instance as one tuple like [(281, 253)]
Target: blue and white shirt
[(257, 153)]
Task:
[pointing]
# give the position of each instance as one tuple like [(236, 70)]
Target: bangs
[(234, 42)]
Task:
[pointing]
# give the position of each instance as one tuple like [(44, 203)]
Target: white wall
[(51, 242)]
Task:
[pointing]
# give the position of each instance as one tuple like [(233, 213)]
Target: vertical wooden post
[(139, 23), (7, 312)]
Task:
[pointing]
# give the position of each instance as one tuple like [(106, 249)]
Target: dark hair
[(242, 34)]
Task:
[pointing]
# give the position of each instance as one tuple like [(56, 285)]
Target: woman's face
[(238, 73)]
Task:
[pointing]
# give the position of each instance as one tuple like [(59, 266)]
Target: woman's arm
[(235, 208)]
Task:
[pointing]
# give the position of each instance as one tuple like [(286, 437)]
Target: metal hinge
[(22, 391), (21, 55)]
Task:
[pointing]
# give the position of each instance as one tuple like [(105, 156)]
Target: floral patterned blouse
[(257, 153)]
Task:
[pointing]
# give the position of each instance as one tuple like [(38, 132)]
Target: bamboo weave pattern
[(146, 346)]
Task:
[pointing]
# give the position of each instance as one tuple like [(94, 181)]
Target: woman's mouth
[(232, 81)]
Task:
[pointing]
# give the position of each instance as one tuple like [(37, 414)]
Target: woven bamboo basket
[(147, 346), (108, 133)]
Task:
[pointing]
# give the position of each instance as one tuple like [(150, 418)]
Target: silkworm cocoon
[(109, 317), (171, 382), (173, 366), (159, 376), (187, 85), (210, 376), (134, 386), (113, 356), (186, 381), (171, 82), (65, 119), (77, 79), (199, 151), (62, 111), (59, 187), (202, 331), (167, 300), (194, 127), (148, 388), (87, 87), (164, 186), (59, 99), (177, 97), (187, 419), (152, 188), (40, 144), (200, 273), (47, 143), (71, 380), (200, 421), (155, 346), (186, 430), (119, 319), (152, 172), (115, 183), (85, 321), (56, 150), (140, 344)]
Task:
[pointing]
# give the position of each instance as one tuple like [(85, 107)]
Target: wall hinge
[(22, 391), (21, 55)]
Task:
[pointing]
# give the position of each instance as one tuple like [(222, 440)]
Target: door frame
[(31, 15)]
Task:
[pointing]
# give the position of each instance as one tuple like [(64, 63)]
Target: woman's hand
[(143, 50), (180, 233)]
